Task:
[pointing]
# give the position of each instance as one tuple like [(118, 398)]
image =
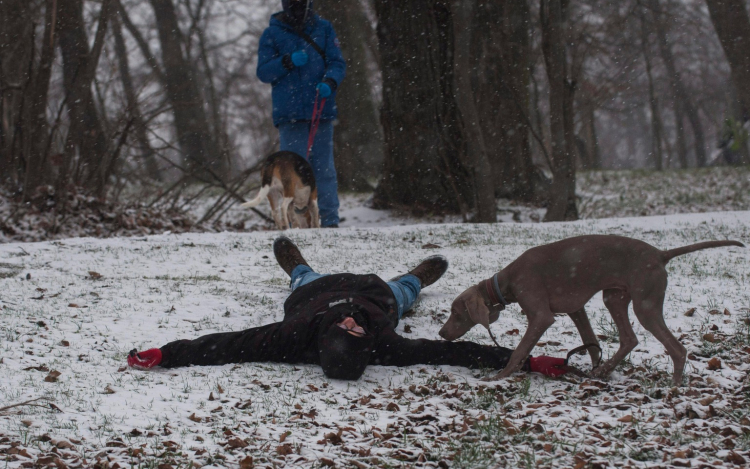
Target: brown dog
[(287, 178), (560, 278)]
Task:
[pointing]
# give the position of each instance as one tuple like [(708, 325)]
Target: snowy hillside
[(71, 310)]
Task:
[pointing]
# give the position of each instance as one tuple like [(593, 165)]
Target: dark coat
[(293, 90), (309, 309)]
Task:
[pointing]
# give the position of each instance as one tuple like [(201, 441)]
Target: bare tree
[(562, 203), (474, 145), (191, 123), (358, 141), (732, 24), (653, 102), (681, 96), (423, 169)]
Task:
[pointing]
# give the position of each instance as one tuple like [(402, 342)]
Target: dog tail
[(672, 253), (262, 193)]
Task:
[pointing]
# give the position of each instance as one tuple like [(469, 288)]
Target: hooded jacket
[(310, 311), (293, 91)]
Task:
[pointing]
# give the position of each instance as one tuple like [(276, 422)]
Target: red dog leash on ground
[(314, 122)]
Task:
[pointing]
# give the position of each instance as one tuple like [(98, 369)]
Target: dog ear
[(478, 311)]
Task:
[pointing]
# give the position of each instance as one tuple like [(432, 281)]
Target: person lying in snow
[(343, 322)]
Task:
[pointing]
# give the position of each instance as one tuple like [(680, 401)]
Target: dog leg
[(285, 211), (650, 314), (617, 302), (581, 320), (539, 322), (314, 213), (275, 202)]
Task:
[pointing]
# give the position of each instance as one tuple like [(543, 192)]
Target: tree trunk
[(358, 140), (139, 126), (79, 66), (656, 153), (190, 121), (16, 52), (423, 140), (589, 142), (562, 203), (678, 87), (732, 25), (474, 145), (501, 73), (36, 148)]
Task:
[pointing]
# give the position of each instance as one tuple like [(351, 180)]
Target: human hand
[(548, 366), (146, 359), (324, 89), (299, 58)]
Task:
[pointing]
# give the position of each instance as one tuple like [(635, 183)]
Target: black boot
[(429, 270), (287, 254)]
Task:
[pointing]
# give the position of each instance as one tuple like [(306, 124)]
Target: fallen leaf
[(512, 332), (714, 312), (710, 338), (625, 418), (94, 275), (393, 407), (735, 458), (236, 443), (65, 343), (194, 418), (52, 376), (247, 463), (283, 436), (431, 246), (714, 364), (334, 438), (726, 312), (690, 313), (109, 390), (283, 450), (327, 462), (211, 397), (407, 329)]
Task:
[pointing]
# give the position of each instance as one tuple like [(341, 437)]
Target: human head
[(297, 11), (344, 355)]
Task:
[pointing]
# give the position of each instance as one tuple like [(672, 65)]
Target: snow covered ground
[(71, 310)]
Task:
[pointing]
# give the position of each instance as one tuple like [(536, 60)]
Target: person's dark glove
[(146, 359), (548, 366), (326, 87)]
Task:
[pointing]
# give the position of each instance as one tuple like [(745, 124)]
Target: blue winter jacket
[(294, 90)]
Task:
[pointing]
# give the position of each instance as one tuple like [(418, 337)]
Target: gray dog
[(559, 278)]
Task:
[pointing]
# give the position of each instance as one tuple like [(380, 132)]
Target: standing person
[(299, 55), (342, 322)]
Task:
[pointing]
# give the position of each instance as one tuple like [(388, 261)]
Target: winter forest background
[(126, 112)]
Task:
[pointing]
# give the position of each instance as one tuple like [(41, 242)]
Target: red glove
[(548, 366), (146, 359)]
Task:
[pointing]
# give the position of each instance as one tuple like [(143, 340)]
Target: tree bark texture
[(732, 24), (656, 126), (37, 147), (678, 86), (501, 74), (148, 157), (191, 123), (79, 65), (474, 144), (358, 139), (423, 140), (16, 52), (562, 202)]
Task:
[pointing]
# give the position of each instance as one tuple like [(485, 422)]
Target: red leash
[(314, 122)]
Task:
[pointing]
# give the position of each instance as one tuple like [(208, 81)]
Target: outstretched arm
[(272, 343), (394, 350)]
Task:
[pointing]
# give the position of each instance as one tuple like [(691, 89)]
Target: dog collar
[(493, 290)]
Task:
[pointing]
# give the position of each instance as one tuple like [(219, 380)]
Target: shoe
[(429, 270), (287, 254)]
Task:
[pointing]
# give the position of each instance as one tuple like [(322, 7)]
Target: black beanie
[(344, 355), (297, 12)]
